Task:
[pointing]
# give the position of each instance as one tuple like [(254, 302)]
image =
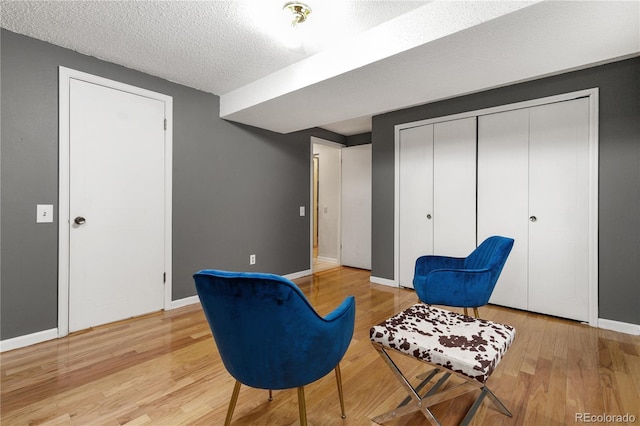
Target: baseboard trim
[(28, 339), (622, 327), (383, 281), (192, 300), (327, 259), (300, 274)]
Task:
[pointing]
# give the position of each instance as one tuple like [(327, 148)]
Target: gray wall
[(236, 189), (619, 203)]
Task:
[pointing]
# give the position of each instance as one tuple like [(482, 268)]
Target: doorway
[(115, 201), (325, 194)]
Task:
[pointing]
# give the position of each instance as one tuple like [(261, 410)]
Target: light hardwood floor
[(164, 369)]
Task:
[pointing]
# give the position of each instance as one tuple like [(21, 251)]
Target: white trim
[(191, 300), (65, 75), (328, 259), (28, 339), (300, 274), (593, 95), (383, 281), (620, 327)]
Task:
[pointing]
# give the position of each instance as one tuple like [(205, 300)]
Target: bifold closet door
[(454, 187), (533, 186), (503, 197), (558, 209), (437, 192), (415, 199)]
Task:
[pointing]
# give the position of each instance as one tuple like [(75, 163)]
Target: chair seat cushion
[(460, 343)]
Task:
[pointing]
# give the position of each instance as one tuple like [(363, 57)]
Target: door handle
[(428, 216), (533, 218), (79, 220)]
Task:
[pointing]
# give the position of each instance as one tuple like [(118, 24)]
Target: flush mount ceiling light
[(299, 12)]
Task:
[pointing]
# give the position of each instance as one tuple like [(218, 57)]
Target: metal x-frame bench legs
[(415, 402)]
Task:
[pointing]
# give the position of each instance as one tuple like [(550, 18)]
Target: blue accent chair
[(269, 336), (462, 282)]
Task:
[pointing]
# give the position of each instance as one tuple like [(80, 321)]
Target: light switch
[(302, 211), (44, 213)]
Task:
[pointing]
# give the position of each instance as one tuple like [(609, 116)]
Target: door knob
[(533, 218), (428, 216), (79, 220)]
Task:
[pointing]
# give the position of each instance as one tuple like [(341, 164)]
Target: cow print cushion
[(463, 344)]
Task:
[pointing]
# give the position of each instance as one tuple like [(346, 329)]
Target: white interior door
[(117, 184), (454, 187), (503, 197), (356, 206), (558, 208), (415, 187)]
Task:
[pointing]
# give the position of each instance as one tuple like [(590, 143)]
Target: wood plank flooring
[(164, 369)]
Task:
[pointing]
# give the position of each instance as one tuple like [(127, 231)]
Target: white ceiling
[(357, 59)]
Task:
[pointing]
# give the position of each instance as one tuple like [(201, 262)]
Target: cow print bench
[(455, 344)]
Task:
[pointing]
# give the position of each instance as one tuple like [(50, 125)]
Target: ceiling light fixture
[(299, 11)]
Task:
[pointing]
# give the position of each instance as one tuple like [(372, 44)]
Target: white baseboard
[(300, 274), (383, 281), (622, 327), (327, 259), (28, 339), (184, 302)]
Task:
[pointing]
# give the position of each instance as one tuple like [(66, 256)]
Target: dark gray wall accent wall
[(619, 169), (236, 189), (360, 139)]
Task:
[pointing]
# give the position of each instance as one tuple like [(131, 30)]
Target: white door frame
[(593, 95), (65, 76), (339, 146)]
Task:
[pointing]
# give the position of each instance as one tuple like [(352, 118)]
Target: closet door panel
[(503, 165), (415, 199), (558, 208), (454, 191)]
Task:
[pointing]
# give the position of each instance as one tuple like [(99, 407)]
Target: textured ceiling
[(357, 59)]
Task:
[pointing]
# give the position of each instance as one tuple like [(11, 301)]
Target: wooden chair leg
[(232, 403), (302, 407), (466, 312), (340, 394), (475, 312), (270, 395)]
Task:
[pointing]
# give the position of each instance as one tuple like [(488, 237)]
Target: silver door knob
[(79, 220), (533, 218), (428, 216)]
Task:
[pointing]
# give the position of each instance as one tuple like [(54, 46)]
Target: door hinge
[(165, 124), (164, 277)]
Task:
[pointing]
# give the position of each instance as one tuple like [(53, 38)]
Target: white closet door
[(454, 193), (415, 199), (503, 197), (558, 208)]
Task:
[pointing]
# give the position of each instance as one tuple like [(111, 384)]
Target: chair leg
[(232, 403), (475, 312), (302, 407), (340, 394), (466, 312), (270, 395)]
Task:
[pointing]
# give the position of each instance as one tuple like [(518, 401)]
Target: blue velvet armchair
[(462, 282), (269, 336)]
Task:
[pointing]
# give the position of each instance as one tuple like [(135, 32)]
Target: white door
[(558, 208), (454, 187), (356, 206), (415, 199), (117, 198), (533, 181), (503, 197)]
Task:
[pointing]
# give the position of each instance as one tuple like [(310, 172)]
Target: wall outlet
[(302, 212), (252, 259)]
